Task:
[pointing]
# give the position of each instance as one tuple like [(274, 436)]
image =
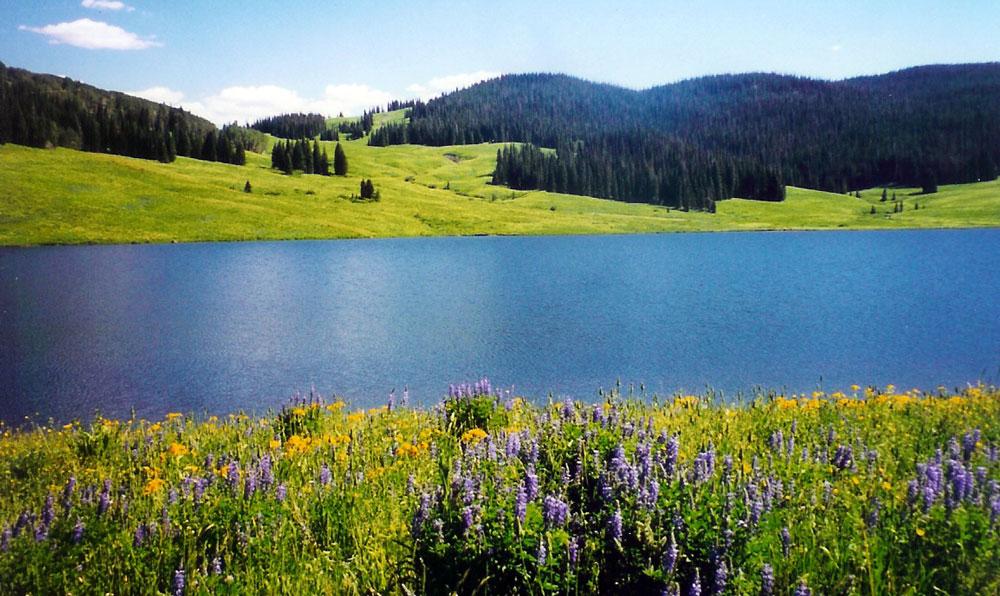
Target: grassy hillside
[(65, 196)]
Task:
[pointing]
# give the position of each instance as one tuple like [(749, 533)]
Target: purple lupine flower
[(521, 504), (803, 589), (391, 404), (542, 555), (531, 482), (615, 525), (766, 580), (104, 500), (266, 472), (249, 486), (67, 494), (468, 491), (843, 458), (598, 414), (573, 550), (48, 511), (953, 449), (5, 539), (673, 449), (24, 520), (872, 518), (172, 496), (995, 510), (77, 535), (406, 397), (198, 490), (325, 475), (420, 515), (695, 588), (777, 441), (468, 518), (513, 445), (41, 533), (670, 556), (786, 541), (233, 475), (281, 492), (929, 497), (721, 577), (555, 511), (216, 568), (411, 484), (179, 582), (568, 408), (139, 537)]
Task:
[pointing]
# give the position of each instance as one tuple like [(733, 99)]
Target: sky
[(239, 60)]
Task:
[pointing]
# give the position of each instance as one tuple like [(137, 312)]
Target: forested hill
[(727, 135), (42, 110)]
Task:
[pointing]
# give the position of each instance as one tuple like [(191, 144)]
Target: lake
[(216, 328)]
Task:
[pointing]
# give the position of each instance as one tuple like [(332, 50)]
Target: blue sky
[(228, 59)]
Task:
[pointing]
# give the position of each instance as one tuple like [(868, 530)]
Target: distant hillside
[(42, 110), (728, 135)]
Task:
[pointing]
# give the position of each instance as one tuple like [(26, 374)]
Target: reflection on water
[(223, 327)]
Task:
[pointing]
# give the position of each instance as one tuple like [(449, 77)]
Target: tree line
[(310, 158), (292, 126), (733, 133), (48, 111)]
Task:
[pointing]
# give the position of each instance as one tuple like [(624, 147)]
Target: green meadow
[(62, 196)]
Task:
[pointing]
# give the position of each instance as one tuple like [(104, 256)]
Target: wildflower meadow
[(866, 491)]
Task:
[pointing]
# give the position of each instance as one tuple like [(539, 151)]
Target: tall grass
[(865, 492)]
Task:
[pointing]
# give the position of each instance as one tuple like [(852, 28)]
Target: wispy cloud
[(836, 48), (160, 95), (446, 84), (92, 35), (248, 103), (106, 5)]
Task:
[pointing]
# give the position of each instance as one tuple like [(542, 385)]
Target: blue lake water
[(216, 328)]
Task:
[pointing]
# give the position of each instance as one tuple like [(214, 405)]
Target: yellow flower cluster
[(687, 401), (412, 449), (473, 436)]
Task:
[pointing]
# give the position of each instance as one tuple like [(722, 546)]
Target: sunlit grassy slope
[(66, 196)]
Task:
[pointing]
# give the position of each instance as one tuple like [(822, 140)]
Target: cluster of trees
[(308, 157), (741, 133), (46, 111), (292, 126), (355, 129), (654, 171), (368, 192)]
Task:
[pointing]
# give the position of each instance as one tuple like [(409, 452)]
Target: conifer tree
[(339, 161)]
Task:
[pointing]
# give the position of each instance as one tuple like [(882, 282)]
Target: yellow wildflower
[(921, 532), (299, 411), (173, 416), (274, 444), (177, 450), (153, 486), (473, 436)]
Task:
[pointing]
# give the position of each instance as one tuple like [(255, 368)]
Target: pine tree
[(339, 161), (885, 195)]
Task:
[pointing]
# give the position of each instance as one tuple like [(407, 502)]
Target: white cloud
[(160, 94), (836, 48), (446, 84), (92, 35), (106, 5), (248, 103)]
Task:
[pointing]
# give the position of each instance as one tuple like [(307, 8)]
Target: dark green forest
[(40, 110), (713, 137)]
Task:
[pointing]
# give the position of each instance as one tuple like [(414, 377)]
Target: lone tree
[(885, 195), (247, 188), (339, 161)]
